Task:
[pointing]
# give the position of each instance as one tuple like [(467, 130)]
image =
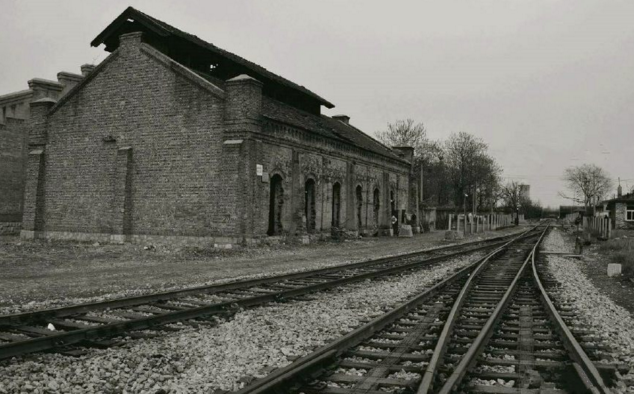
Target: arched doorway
[(336, 204), (377, 206), (275, 206), (359, 205), (309, 205)]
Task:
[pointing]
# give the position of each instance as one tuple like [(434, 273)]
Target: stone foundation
[(163, 240), (10, 228), (171, 240)]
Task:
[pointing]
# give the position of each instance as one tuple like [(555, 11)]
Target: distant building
[(525, 192), (15, 110)]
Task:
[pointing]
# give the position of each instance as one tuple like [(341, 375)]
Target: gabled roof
[(324, 126), (131, 15)]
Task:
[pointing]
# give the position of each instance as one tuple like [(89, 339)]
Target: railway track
[(92, 324), (489, 328)]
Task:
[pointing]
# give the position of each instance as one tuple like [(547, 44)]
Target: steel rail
[(280, 376), (60, 339), (480, 341), (584, 366), (217, 288)]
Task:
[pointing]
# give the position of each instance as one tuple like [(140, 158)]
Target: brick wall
[(13, 138), (326, 169), (174, 128), (619, 218), (145, 149)]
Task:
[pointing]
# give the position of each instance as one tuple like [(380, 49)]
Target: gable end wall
[(173, 130)]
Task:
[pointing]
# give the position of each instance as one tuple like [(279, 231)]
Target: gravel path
[(40, 276), (596, 309), (252, 343), (40, 271)]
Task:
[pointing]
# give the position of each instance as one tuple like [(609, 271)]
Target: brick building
[(172, 139), (15, 110)]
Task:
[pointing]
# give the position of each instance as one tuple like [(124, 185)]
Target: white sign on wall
[(259, 169)]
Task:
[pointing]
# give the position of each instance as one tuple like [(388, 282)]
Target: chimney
[(342, 118), (243, 104), (405, 152), (44, 88), (87, 69), (68, 80)]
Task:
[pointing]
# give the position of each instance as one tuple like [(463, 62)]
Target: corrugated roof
[(324, 126), (165, 30)]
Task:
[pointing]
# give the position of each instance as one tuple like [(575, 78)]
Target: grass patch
[(620, 250)]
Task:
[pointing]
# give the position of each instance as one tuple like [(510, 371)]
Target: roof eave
[(152, 25), (120, 20)]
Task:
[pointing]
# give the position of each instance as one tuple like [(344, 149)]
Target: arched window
[(359, 205), (377, 206), (276, 205), (336, 205), (309, 205)]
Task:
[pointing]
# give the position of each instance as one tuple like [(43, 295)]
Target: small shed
[(621, 211)]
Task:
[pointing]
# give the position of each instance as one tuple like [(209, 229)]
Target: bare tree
[(589, 184), (512, 196), (409, 133), (471, 169)]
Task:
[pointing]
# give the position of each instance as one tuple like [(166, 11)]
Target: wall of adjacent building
[(136, 151), (619, 216), (12, 176)]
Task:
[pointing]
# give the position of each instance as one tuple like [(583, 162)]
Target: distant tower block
[(525, 192)]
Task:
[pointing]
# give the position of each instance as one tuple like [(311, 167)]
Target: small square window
[(629, 213)]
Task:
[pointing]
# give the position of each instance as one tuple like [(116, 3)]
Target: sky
[(547, 84)]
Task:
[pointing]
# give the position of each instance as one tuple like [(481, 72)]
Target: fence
[(476, 224), (599, 226)]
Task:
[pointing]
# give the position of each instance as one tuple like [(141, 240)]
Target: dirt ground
[(594, 264), (61, 272)]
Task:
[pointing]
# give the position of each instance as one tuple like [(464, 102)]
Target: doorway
[(276, 205), (309, 205), (336, 205), (359, 205)]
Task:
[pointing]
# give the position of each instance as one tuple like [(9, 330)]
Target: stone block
[(405, 231), (614, 269)]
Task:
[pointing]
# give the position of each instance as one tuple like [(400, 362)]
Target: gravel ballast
[(228, 355), (614, 323)]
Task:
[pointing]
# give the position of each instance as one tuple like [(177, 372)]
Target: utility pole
[(421, 210), (464, 207)]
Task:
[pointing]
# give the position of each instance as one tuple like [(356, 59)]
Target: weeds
[(620, 250)]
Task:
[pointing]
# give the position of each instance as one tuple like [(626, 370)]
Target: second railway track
[(490, 328), (91, 324)]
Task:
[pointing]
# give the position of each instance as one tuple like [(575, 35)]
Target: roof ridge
[(199, 41)]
